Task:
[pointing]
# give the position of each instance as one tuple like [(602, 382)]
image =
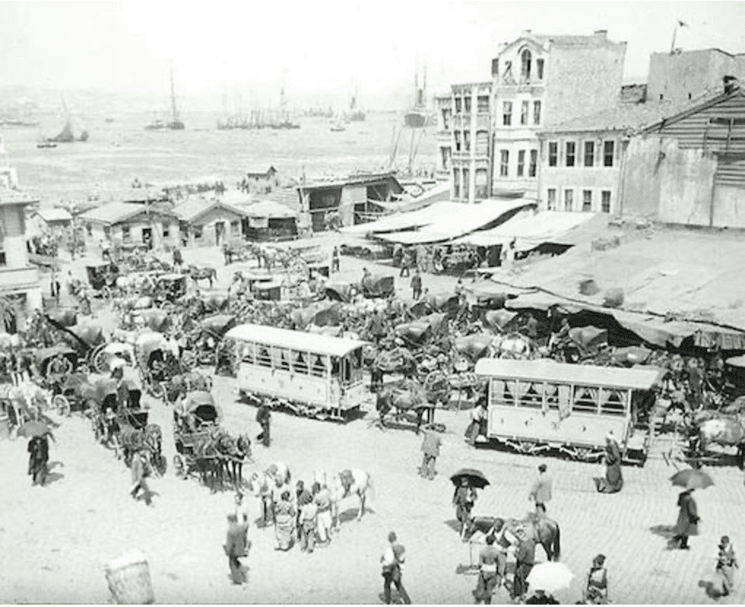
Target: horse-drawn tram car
[(534, 406), (313, 375)]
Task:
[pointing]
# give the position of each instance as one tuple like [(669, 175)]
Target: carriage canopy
[(340, 292), (378, 286), (218, 324), (43, 356), (156, 320), (202, 405), (91, 335)]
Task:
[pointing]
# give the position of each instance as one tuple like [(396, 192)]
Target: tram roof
[(296, 340), (639, 378)]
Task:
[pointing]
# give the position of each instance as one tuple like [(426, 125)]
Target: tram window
[(300, 364), (531, 394), (585, 400), (499, 393), (247, 352), (319, 366), (335, 366), (281, 359), (552, 397), (262, 357), (356, 358), (612, 402)]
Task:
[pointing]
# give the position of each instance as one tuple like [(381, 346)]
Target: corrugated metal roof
[(296, 340), (638, 378)]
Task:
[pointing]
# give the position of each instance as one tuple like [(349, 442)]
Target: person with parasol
[(688, 519), (466, 482), (38, 449)]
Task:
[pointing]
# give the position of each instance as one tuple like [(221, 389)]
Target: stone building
[(444, 136), (540, 80), (19, 280)]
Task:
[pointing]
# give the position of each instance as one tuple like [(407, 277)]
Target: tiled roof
[(629, 118)]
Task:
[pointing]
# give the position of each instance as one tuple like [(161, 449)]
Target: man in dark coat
[(524, 561), (263, 416), (688, 519), (613, 481), (416, 285), (236, 547), (140, 472), (178, 259)]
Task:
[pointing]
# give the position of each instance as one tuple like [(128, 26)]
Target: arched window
[(525, 65)]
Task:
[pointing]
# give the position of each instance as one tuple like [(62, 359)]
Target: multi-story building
[(19, 280), (444, 136), (541, 80), (685, 75)]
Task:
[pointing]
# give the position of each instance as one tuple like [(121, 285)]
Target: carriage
[(55, 363), (158, 361), (378, 286), (206, 341), (114, 401), (73, 393), (536, 406), (194, 421), (168, 289), (102, 277)]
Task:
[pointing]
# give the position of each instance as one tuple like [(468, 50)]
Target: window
[(571, 149), (608, 152), (589, 153), (568, 200), (281, 358), (553, 153), (482, 184), (166, 230), (587, 201), (235, 227), (457, 140), (3, 260), (319, 366), (605, 201), (467, 141), (533, 163), (536, 113), (467, 104), (246, 352), (612, 402), (89, 229), (504, 163), (539, 68), (107, 231), (300, 363), (446, 119), (483, 104), (456, 184), (198, 232), (495, 67), (262, 356), (531, 394), (525, 65), (524, 110), (585, 399), (520, 163), (126, 234), (458, 104), (550, 199), (507, 113)]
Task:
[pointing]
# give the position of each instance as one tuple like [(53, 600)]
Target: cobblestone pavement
[(55, 541)]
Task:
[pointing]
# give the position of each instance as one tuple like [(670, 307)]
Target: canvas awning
[(404, 220), (530, 229)]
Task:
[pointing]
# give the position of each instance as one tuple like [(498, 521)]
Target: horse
[(345, 484), (407, 396), (514, 345), (541, 529), (262, 485), (197, 274), (724, 430), (240, 451)]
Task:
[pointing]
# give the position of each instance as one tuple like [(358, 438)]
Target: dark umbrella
[(474, 477), (692, 478), (34, 428)]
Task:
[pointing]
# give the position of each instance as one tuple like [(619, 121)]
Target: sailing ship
[(355, 114), (175, 124), (69, 134), (418, 116)]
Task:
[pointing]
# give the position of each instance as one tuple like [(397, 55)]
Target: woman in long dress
[(613, 481), (284, 525)]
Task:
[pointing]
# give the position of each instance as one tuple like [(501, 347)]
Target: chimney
[(601, 33), (730, 84)]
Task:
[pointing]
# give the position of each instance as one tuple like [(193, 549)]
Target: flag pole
[(675, 32)]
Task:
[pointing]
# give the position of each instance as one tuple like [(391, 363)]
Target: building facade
[(208, 223), (542, 80), (19, 280), (444, 136), (130, 223)]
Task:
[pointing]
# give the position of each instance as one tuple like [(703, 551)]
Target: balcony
[(18, 279)]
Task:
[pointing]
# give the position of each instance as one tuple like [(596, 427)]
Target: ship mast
[(173, 97)]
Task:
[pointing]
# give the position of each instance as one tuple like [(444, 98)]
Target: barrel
[(129, 579)]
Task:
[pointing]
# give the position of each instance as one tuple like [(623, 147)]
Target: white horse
[(344, 484), (264, 484)]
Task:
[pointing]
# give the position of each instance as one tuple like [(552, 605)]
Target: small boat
[(46, 144), (338, 127), (175, 124)]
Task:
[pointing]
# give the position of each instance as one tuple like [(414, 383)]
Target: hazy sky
[(324, 46)]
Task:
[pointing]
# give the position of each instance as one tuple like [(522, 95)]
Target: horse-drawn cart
[(194, 422), (102, 277)]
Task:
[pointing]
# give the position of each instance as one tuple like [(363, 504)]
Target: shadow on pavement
[(350, 514), (454, 524), (710, 588), (53, 477)]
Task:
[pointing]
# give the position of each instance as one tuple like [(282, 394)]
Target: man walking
[(416, 285), (524, 561), (392, 559), (335, 260), (140, 472), (309, 524), (405, 264), (263, 417), (540, 492), (236, 547), (322, 497), (431, 449), (687, 523)]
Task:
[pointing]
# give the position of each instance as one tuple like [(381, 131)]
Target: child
[(726, 562)]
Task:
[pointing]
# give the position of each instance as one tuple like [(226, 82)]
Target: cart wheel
[(61, 404), (100, 360), (179, 466)]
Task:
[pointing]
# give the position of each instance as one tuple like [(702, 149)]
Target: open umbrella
[(549, 577), (34, 428), (474, 477), (692, 478)]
